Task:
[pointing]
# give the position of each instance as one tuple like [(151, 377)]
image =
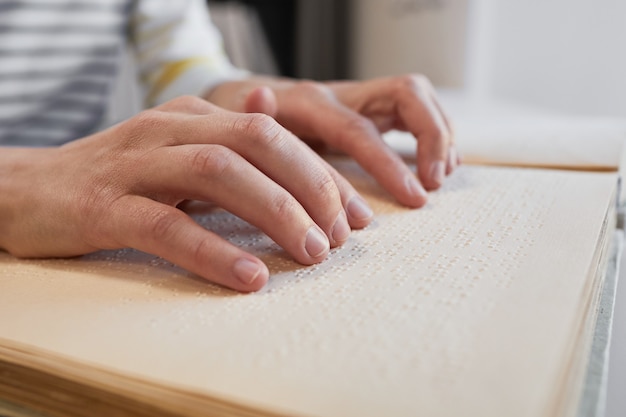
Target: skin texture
[(123, 187)]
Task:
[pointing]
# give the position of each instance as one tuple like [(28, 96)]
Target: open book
[(482, 303)]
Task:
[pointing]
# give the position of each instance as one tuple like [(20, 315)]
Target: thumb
[(261, 100)]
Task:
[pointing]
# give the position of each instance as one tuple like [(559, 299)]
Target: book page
[(469, 306), (504, 133)]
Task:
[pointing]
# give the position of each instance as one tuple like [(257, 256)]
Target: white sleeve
[(178, 49)]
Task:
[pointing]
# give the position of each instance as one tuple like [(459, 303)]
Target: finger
[(280, 156), (216, 173), (261, 100), (413, 100), (357, 136), (453, 159), (423, 118), (167, 232), (357, 210), (444, 115)]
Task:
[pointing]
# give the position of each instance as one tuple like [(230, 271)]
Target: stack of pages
[(482, 303)]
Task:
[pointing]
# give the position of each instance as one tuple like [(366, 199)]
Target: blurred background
[(564, 55)]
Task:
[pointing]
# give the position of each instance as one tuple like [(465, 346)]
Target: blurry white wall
[(391, 37), (566, 55)]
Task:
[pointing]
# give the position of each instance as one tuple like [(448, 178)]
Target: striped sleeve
[(178, 50), (58, 59)]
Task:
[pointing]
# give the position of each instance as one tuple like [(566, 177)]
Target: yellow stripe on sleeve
[(171, 71)]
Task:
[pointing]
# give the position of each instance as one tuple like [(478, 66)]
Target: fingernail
[(437, 172), (414, 187), (316, 242), (246, 270), (341, 229), (358, 209)]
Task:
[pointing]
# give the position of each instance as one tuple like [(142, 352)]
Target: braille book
[(482, 303)]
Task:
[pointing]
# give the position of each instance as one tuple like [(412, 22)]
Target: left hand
[(352, 115)]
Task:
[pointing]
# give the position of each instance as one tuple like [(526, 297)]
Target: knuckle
[(204, 248), (284, 205), (262, 129), (149, 120), (440, 138), (213, 160), (161, 223), (255, 124), (353, 131), (436, 137), (140, 127), (326, 186)]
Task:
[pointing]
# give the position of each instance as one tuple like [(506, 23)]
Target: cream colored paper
[(469, 306), (503, 133)]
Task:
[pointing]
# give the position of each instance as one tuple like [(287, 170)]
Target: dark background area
[(308, 38)]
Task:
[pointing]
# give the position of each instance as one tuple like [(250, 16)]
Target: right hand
[(120, 187)]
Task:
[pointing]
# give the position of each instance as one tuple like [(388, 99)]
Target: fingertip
[(251, 274), (432, 173), (316, 244), (358, 212), (416, 195), (341, 230)]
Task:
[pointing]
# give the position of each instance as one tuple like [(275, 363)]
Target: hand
[(120, 188), (351, 116)]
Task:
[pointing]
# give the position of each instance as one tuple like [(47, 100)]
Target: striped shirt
[(59, 58)]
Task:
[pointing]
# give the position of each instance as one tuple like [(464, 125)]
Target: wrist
[(16, 184)]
